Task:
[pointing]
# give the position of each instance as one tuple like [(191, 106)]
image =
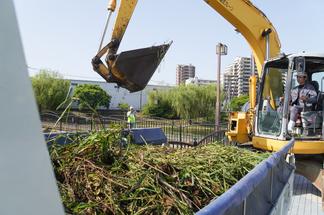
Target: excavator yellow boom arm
[(242, 14), (252, 24)]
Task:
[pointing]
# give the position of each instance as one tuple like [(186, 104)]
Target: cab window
[(318, 78), (271, 101)]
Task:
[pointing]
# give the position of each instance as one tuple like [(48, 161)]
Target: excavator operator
[(300, 95)]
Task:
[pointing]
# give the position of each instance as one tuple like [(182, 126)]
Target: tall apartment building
[(184, 72), (236, 77), (229, 81)]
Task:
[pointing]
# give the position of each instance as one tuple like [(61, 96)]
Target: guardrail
[(267, 189), (210, 138)]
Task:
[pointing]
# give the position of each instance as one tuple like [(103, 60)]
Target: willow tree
[(50, 89), (185, 101), (159, 104), (193, 101)]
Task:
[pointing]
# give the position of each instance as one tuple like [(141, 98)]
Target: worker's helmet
[(131, 108), (303, 74)]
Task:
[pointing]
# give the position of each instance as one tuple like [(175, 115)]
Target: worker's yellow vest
[(131, 118)]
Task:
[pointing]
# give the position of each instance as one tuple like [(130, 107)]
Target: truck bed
[(306, 198)]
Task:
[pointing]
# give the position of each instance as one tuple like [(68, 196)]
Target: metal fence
[(180, 133), (76, 122)]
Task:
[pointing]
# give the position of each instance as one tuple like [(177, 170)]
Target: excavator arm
[(124, 15), (132, 69)]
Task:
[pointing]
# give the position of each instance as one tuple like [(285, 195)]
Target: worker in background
[(131, 119), (300, 95)]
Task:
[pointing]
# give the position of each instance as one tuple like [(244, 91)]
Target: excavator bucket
[(133, 69)]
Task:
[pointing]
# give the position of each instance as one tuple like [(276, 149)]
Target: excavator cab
[(311, 115), (275, 98)]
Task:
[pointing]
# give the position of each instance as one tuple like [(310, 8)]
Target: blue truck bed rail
[(261, 191)]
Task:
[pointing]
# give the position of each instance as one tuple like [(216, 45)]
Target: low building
[(120, 95), (198, 81)]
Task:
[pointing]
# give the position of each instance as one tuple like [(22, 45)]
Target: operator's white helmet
[(304, 74)]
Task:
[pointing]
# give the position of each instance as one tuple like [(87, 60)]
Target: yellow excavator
[(265, 124)]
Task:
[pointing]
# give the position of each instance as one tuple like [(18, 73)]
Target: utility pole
[(221, 49)]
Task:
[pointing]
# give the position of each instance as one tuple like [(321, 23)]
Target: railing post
[(195, 143), (76, 124), (172, 127), (271, 184), (244, 207), (180, 132), (216, 136)]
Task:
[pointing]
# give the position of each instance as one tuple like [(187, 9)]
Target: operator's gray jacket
[(307, 90)]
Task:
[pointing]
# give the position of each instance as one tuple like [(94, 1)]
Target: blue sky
[(64, 35)]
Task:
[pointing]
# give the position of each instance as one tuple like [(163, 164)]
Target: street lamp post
[(221, 49), (141, 97)]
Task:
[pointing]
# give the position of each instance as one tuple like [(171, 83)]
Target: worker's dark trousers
[(131, 125)]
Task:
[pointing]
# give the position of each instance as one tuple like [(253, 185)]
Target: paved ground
[(306, 198)]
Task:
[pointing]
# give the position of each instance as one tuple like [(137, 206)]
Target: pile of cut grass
[(96, 176)]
